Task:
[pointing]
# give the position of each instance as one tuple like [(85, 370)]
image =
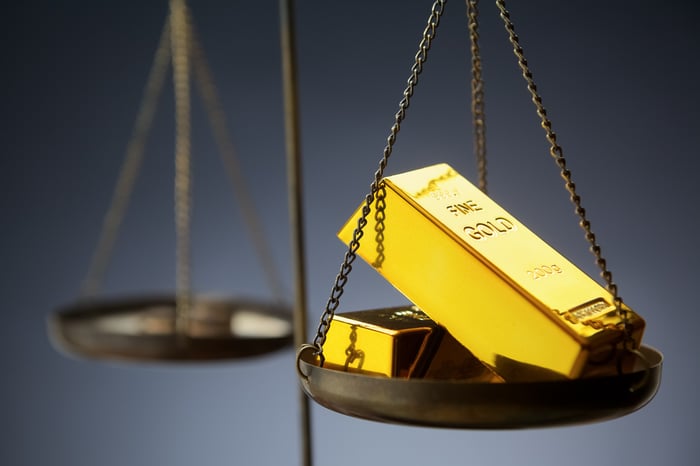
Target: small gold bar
[(399, 342), (499, 289)]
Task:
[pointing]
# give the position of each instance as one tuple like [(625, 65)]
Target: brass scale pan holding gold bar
[(183, 326), (480, 405), (348, 382)]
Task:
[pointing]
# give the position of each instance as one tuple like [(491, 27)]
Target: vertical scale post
[(294, 180), (181, 78)]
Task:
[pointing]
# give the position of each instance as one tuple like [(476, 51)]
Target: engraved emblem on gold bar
[(498, 288)]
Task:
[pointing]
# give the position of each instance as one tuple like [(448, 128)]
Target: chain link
[(130, 168), (558, 154), (351, 254), (183, 201), (379, 226), (477, 87)]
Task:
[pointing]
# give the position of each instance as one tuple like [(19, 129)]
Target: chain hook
[(306, 347), (644, 360)]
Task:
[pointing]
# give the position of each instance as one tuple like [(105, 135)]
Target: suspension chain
[(130, 168), (181, 78), (557, 153), (207, 89), (350, 256), (477, 88)]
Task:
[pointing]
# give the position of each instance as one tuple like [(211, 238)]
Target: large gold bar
[(500, 290), (399, 342)]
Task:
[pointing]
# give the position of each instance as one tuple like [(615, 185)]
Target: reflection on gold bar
[(452, 361), (499, 289), (399, 342)]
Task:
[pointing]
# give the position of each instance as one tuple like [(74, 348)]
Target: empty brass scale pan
[(144, 329)]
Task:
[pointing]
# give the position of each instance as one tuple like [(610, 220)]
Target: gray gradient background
[(619, 80)]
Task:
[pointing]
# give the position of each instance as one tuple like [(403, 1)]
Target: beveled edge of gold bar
[(384, 325)]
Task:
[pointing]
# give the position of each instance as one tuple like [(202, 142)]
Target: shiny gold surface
[(452, 361), (499, 289), (390, 342), (399, 342)]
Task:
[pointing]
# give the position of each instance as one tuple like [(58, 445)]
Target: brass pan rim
[(480, 405), (142, 328)]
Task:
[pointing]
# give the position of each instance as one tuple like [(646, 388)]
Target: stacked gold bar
[(502, 292), (392, 342), (399, 342)]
